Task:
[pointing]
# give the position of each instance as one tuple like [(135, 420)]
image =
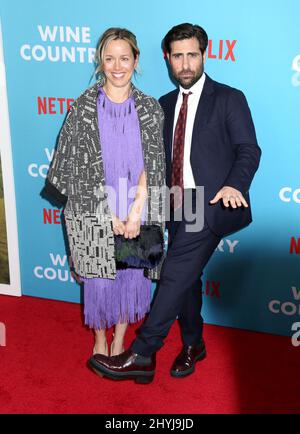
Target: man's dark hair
[(185, 31)]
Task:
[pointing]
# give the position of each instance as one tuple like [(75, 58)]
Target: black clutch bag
[(144, 251)]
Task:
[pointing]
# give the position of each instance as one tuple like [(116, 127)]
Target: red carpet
[(43, 369)]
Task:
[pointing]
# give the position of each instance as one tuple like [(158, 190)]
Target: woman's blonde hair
[(109, 35)]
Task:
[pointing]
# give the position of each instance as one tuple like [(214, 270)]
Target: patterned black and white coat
[(76, 171)]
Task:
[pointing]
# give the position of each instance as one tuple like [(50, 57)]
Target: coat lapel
[(202, 114), (205, 106), (90, 129), (169, 120)]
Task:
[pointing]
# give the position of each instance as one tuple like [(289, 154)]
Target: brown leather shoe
[(184, 363), (125, 366)]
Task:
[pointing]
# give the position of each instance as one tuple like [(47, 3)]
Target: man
[(210, 141)]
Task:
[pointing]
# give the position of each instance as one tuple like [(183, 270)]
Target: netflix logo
[(223, 49), (52, 106), (52, 216), (212, 289), (295, 245)]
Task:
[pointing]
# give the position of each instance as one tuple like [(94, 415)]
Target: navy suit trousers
[(179, 291)]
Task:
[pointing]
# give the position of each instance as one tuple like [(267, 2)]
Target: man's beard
[(190, 81)]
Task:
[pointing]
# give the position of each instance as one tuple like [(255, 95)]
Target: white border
[(14, 288)]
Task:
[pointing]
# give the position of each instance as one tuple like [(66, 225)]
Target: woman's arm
[(118, 225), (133, 221)]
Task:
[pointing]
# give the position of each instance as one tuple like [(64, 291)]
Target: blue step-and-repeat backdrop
[(253, 280)]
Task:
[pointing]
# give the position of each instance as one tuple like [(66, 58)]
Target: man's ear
[(204, 57)]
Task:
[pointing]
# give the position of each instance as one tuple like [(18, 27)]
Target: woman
[(111, 143)]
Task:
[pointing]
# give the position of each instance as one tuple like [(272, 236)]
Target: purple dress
[(127, 297)]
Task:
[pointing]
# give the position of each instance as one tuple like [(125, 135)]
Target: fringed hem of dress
[(124, 300)]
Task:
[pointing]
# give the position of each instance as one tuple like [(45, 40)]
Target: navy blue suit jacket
[(224, 150)]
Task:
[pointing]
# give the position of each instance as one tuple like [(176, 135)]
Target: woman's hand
[(73, 272), (133, 221), (132, 227), (118, 225)]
